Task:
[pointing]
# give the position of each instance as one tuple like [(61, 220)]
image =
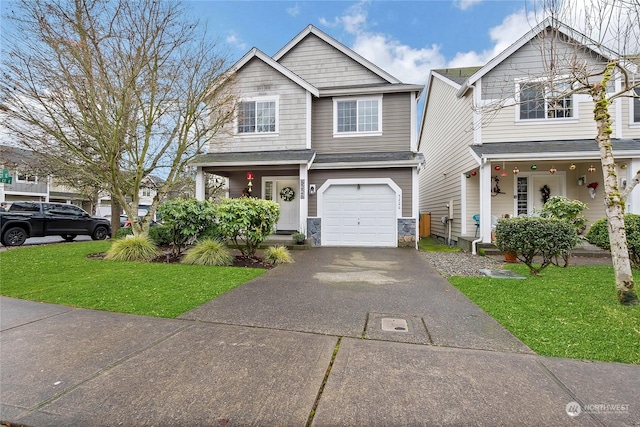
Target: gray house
[(327, 135)]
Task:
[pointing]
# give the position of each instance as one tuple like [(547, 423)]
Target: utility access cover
[(501, 274), (394, 325)]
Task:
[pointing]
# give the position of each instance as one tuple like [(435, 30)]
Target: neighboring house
[(146, 193), (26, 184), (498, 162), (330, 137)]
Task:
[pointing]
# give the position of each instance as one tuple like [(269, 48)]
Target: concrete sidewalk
[(301, 345)]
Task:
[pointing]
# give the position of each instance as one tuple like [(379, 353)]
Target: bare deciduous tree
[(595, 54), (116, 89)]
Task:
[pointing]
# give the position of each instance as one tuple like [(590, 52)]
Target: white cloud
[(465, 4), (294, 10), (402, 61), (235, 41)]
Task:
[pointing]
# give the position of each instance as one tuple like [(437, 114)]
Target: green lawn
[(570, 312), (62, 274), (430, 244)]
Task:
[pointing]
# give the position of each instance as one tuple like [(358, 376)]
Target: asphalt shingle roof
[(539, 147)]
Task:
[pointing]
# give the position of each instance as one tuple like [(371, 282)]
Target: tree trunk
[(613, 200), (115, 216)]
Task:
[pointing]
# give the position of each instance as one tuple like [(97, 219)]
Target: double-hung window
[(538, 100), (257, 116), (357, 116)]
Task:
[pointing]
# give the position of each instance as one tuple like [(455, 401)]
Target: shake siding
[(396, 128), (401, 176), (502, 126), (445, 141), (324, 66), (256, 79), (528, 63)]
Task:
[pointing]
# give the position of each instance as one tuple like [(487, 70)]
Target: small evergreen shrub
[(566, 209), (531, 237), (160, 234), (277, 255), (134, 248), (247, 222), (208, 252), (187, 219), (599, 235)]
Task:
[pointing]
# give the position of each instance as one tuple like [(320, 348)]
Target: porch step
[(583, 249)]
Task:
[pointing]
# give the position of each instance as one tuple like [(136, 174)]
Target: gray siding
[(324, 66), (528, 62), (401, 176), (444, 142), (396, 128), (256, 79)]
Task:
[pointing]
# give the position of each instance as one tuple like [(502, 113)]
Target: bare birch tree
[(611, 28), (116, 89)]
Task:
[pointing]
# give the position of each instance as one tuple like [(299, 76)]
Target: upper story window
[(257, 116), (540, 100), (357, 116), (26, 177)]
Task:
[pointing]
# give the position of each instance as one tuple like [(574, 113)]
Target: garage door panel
[(363, 215)]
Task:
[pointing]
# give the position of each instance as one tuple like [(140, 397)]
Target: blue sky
[(406, 38)]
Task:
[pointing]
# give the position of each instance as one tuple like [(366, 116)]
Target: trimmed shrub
[(599, 235), (566, 209), (277, 255), (208, 252), (186, 219), (134, 248), (528, 237), (247, 222)]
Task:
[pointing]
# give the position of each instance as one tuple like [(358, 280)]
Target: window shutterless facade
[(636, 106), (539, 100), (357, 116), (257, 116)]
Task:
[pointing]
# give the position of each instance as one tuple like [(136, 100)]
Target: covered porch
[(280, 176), (516, 179)]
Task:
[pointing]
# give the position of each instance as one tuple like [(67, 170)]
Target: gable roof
[(337, 45), (257, 53), (534, 32)]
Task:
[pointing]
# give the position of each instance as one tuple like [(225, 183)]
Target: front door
[(529, 196), (288, 197)]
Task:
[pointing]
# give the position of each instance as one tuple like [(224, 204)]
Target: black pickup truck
[(39, 219)]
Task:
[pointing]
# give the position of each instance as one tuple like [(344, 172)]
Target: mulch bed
[(168, 257)]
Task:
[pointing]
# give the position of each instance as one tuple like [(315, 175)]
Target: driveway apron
[(350, 291)]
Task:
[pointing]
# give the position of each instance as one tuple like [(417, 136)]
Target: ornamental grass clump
[(277, 255), (208, 252), (133, 248)]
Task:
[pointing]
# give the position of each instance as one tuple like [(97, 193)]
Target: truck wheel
[(14, 236), (69, 237), (100, 233)]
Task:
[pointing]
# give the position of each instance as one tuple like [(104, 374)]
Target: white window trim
[(337, 134), (632, 124), (18, 173), (275, 99), (574, 105)]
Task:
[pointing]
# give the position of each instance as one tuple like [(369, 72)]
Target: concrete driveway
[(302, 345)]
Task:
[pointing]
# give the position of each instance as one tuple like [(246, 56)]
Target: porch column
[(633, 201), (199, 184), (303, 199), (485, 202)]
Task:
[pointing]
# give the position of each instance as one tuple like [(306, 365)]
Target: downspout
[(473, 245)]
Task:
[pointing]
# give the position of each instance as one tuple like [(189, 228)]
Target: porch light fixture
[(572, 167), (534, 167), (516, 171), (623, 166), (591, 169), (553, 170)]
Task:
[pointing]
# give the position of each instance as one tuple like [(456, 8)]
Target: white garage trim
[(352, 181), (378, 206)]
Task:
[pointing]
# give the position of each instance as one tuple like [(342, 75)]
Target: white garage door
[(359, 215)]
